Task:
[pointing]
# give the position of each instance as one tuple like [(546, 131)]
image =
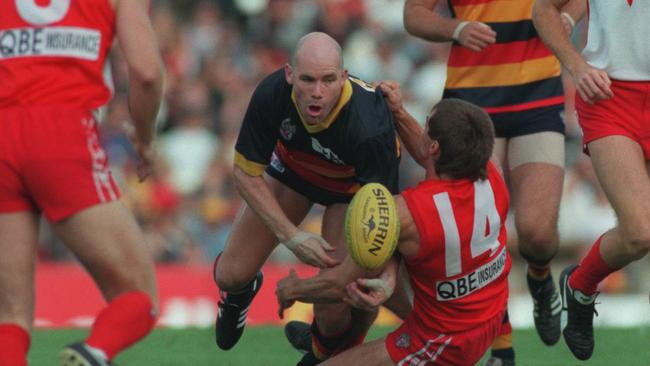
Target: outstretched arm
[(592, 84), (326, 287), (408, 128)]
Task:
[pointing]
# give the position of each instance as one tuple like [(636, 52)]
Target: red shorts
[(51, 161), (626, 114), (406, 348)]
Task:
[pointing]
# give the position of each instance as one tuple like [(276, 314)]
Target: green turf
[(267, 346)]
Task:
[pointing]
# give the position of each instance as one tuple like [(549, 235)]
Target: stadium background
[(215, 52)]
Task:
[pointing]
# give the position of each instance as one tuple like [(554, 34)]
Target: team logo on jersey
[(325, 151), (287, 129), (403, 341), (276, 163)]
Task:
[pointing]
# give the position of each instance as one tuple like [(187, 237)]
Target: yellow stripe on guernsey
[(494, 11), (343, 100), (502, 75), (249, 167)]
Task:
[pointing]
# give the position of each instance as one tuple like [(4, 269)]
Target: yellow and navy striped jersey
[(356, 144), (516, 73)]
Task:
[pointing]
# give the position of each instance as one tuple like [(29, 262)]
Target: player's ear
[(344, 74), (288, 73), (434, 149)]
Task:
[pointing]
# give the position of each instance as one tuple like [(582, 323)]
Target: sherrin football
[(372, 226)]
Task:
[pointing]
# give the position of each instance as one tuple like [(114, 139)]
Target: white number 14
[(485, 215)]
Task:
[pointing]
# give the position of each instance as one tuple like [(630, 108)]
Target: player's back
[(55, 55), (459, 275)]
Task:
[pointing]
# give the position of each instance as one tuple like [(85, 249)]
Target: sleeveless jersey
[(356, 144), (514, 74), (55, 54), (617, 39), (460, 274)]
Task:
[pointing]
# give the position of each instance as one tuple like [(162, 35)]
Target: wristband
[(459, 28), (295, 240), (569, 18)]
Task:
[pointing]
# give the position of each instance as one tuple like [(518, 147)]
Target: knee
[(638, 244), (538, 243), (228, 279)]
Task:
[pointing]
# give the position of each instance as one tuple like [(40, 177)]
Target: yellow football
[(372, 226)]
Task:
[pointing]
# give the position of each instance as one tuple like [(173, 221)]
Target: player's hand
[(311, 249), (145, 151), (476, 36), (368, 294), (282, 292), (592, 84), (392, 94)]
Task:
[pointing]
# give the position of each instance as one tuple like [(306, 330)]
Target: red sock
[(14, 344), (590, 272), (126, 319)]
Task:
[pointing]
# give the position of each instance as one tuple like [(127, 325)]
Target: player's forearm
[(144, 102), (576, 9), (421, 20), (140, 50), (410, 132), (319, 289), (546, 17), (257, 195)]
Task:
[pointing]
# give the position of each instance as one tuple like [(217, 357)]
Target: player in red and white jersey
[(452, 239), (612, 77), (53, 57)]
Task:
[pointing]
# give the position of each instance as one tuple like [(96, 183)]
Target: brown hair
[(466, 137)]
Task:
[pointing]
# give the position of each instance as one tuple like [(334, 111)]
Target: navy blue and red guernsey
[(516, 73), (460, 274), (356, 144)]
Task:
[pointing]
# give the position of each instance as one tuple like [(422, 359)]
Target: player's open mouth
[(314, 110)]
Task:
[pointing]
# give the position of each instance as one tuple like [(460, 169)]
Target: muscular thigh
[(621, 169), (536, 175), (251, 242)]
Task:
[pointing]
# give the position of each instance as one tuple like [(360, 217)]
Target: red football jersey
[(53, 53), (460, 274)]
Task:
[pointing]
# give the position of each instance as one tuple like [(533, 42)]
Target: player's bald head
[(318, 46)]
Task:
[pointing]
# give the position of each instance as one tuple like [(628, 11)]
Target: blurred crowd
[(215, 52)]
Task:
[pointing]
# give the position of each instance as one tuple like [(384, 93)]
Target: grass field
[(266, 346)]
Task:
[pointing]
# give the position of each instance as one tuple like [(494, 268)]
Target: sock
[(126, 320), (535, 285), (14, 344), (590, 272), (537, 272), (327, 346), (502, 344)]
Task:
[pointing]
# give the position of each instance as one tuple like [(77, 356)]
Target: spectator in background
[(51, 162), (191, 146), (498, 62)]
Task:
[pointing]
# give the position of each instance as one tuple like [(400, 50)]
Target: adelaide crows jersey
[(516, 73), (355, 144)]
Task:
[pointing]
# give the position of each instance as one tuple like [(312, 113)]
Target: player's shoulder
[(369, 110), (273, 88)]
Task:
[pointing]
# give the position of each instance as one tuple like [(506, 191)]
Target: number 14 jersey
[(459, 276)]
